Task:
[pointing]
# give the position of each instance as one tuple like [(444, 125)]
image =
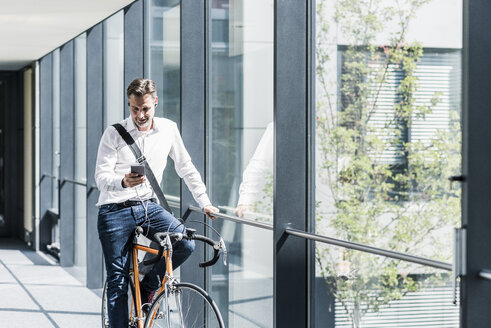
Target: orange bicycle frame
[(168, 262)]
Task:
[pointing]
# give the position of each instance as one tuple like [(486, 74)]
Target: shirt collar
[(130, 125)]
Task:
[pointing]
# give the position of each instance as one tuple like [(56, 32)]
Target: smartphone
[(140, 169)]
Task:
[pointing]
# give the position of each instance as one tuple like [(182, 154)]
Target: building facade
[(326, 133)]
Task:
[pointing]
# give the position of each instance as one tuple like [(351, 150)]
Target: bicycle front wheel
[(185, 305)]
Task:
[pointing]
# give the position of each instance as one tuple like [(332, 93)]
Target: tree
[(386, 189)]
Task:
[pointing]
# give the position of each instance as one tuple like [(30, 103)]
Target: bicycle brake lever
[(166, 241)]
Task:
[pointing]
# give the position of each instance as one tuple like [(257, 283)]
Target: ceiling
[(29, 29)]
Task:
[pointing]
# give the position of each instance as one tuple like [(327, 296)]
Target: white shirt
[(114, 160), (260, 167)]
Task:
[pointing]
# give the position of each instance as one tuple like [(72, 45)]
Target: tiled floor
[(36, 292)]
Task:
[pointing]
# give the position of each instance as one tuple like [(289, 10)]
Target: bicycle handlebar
[(216, 250), (161, 237)]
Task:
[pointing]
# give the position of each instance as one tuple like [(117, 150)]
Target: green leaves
[(384, 189)]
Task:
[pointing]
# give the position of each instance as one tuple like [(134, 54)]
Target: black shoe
[(147, 299)]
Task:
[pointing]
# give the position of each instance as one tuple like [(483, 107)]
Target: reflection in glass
[(114, 88), (388, 111), (388, 125), (243, 290), (80, 149), (256, 188), (355, 289), (238, 113), (163, 66), (241, 100), (55, 170), (56, 125)]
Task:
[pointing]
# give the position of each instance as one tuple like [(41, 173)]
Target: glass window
[(163, 66), (56, 125), (114, 88), (388, 113), (80, 149), (240, 155), (420, 297), (241, 110)]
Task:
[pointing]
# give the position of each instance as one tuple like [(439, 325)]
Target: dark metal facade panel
[(11, 147), (193, 100), (16, 176), (291, 187), (95, 104), (313, 282), (45, 146), (67, 138), (477, 187), (133, 44)]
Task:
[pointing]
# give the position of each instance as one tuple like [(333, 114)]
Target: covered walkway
[(37, 292)]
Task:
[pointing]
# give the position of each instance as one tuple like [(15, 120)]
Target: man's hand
[(241, 209), (209, 210), (132, 180)]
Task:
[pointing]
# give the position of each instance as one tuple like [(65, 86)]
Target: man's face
[(142, 110)]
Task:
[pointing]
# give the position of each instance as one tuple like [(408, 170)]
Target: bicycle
[(178, 304)]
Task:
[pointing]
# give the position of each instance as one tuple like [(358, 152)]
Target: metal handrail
[(370, 249), (72, 181), (249, 213), (235, 219), (172, 198), (485, 274), (91, 189), (336, 242), (173, 201), (45, 175), (173, 204)]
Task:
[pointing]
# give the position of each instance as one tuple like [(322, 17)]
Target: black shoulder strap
[(142, 160)]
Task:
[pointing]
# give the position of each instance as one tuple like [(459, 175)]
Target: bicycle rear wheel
[(131, 306), (186, 305)]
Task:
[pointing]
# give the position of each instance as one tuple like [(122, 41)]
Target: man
[(257, 173), (127, 200)]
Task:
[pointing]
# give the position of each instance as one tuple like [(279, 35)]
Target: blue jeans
[(116, 225)]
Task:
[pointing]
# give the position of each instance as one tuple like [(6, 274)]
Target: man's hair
[(140, 87)]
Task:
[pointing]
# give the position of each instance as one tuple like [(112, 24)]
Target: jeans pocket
[(106, 208)]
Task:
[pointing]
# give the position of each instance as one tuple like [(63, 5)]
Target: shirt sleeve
[(187, 171), (258, 169), (105, 176)]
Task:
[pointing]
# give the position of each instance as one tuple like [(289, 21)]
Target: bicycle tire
[(131, 306), (197, 308)]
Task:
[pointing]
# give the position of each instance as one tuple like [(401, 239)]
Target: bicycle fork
[(170, 289)]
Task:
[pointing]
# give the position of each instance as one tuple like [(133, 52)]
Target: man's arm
[(105, 176), (256, 172), (187, 171)]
